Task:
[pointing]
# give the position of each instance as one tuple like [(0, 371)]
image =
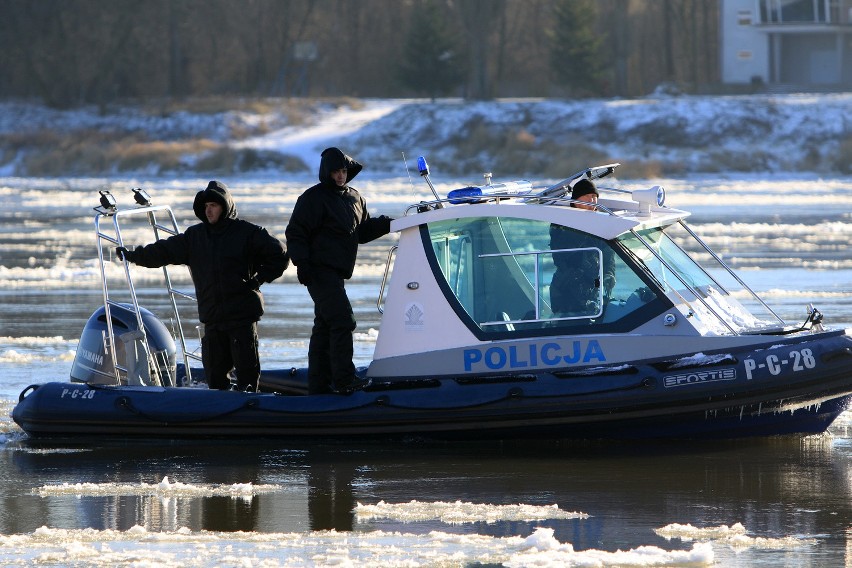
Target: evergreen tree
[(431, 60), (575, 47)]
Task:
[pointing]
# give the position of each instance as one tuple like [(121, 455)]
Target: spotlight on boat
[(107, 201), (647, 197), (141, 197)]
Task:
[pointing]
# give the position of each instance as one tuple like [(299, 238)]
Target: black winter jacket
[(223, 259), (583, 266), (329, 222)]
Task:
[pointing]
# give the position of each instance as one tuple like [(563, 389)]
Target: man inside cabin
[(228, 258), (576, 284)]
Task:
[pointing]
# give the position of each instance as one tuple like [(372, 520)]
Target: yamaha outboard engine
[(93, 363)]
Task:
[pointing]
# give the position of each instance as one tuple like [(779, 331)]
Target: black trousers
[(227, 347), (330, 352)]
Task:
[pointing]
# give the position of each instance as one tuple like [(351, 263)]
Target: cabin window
[(517, 275), (453, 252), (688, 272), (709, 293)]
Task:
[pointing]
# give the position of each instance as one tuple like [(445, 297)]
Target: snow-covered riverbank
[(651, 136)]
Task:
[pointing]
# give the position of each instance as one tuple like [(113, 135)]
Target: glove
[(252, 283), (303, 273), (123, 254), (645, 294), (386, 222)]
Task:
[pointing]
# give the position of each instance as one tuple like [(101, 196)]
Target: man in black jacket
[(576, 285), (229, 259), (328, 222)]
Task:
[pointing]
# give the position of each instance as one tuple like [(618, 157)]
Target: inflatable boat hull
[(720, 397)]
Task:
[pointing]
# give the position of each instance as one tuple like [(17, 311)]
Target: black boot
[(360, 383)]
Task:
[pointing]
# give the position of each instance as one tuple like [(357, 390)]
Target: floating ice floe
[(164, 488), (734, 536), (185, 548), (460, 512)]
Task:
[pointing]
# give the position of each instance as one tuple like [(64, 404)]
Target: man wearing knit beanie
[(575, 288), (584, 191)]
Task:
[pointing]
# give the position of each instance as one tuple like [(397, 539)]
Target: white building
[(798, 43)]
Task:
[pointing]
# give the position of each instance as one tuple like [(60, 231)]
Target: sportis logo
[(699, 377)]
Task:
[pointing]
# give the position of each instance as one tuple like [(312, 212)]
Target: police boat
[(472, 343)]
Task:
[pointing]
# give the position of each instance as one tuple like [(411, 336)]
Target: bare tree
[(69, 52), (479, 18), (576, 56), (433, 62)]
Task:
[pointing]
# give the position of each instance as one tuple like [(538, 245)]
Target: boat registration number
[(77, 393), (796, 360)]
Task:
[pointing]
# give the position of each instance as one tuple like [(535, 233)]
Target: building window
[(744, 17), (794, 11), (744, 54)]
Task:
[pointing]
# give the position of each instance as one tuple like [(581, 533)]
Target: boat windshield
[(713, 294), (516, 275)]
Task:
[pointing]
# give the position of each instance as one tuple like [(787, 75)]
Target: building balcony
[(805, 14)]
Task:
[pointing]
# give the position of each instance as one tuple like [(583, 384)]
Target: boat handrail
[(730, 271), (171, 228), (380, 299), (536, 284), (497, 198), (592, 173), (683, 281)]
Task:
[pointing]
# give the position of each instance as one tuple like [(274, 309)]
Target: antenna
[(408, 171)]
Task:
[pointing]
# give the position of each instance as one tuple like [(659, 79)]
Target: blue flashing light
[(422, 166)]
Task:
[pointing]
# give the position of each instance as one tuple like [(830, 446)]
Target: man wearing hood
[(228, 258), (328, 223)]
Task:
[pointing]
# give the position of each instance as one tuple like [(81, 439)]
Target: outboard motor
[(93, 364)]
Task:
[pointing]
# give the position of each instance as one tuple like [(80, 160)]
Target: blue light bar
[(467, 194), (475, 194)]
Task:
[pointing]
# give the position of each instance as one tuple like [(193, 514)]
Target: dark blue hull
[(748, 393)]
